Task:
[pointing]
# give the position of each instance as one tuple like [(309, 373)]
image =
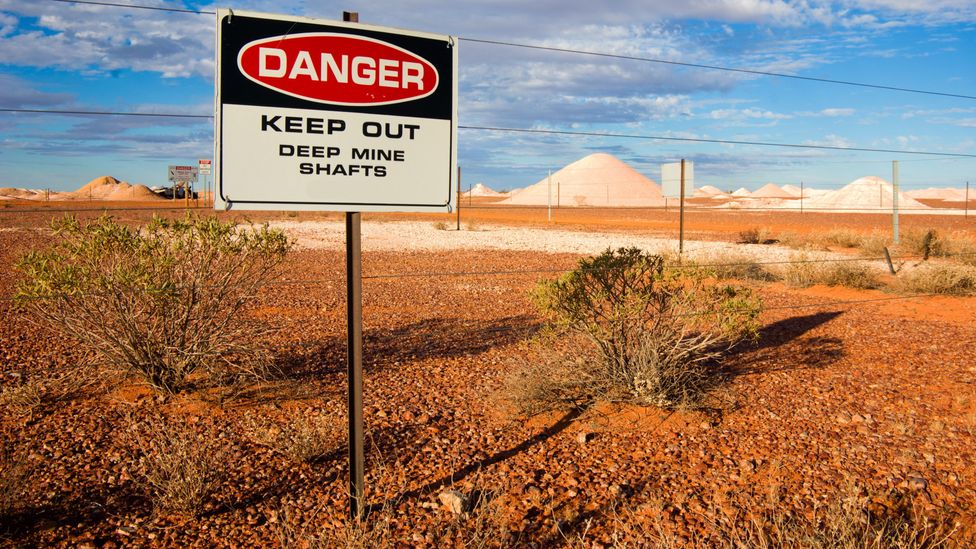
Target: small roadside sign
[(183, 174), (205, 166), (671, 179), (336, 116)]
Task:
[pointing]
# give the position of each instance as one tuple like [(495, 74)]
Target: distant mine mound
[(707, 190), (932, 193), (866, 193), (596, 180), (742, 192), (480, 189), (110, 188), (771, 190)]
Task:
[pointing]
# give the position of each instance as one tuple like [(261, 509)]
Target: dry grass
[(440, 226), (938, 278), (852, 274), (180, 467), (756, 235), (15, 473), (36, 395), (307, 439), (734, 265), (851, 521)]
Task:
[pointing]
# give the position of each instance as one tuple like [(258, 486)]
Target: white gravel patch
[(393, 236)]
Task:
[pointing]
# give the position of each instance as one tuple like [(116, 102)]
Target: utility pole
[(549, 194), (681, 214), (894, 200)]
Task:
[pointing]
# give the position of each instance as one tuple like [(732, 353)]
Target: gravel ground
[(871, 403)]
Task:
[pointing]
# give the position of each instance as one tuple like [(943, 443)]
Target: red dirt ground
[(876, 397)]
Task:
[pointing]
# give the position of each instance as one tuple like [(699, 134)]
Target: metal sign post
[(459, 198), (340, 117)]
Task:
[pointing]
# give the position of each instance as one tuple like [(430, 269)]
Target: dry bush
[(930, 243), (306, 439), (802, 273), (756, 235), (472, 225), (939, 278), (735, 265), (848, 522), (845, 238), (163, 301), (36, 394), (180, 467), (440, 226), (15, 473), (649, 334)]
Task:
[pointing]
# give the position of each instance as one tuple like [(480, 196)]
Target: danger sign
[(327, 115)]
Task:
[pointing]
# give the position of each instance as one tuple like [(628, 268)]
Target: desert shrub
[(939, 278), (653, 333), (303, 440), (930, 243), (440, 226), (844, 238), (755, 235), (179, 467), (874, 244), (164, 301)]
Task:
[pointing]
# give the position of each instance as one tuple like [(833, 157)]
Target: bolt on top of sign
[(327, 115)]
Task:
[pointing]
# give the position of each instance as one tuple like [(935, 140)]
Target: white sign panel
[(205, 166), (327, 115), (183, 174), (671, 179)]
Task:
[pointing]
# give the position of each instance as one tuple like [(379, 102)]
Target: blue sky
[(56, 55)]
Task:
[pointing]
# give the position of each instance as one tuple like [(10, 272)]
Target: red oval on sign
[(339, 69)]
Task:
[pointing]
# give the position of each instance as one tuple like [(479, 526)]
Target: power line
[(136, 7), (595, 54), (704, 140), (549, 132), (107, 113), (716, 68)]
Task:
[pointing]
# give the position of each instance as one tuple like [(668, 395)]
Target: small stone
[(454, 500), (583, 437), (125, 531), (407, 416)]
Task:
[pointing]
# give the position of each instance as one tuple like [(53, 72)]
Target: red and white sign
[(338, 69), (205, 166), (329, 115)]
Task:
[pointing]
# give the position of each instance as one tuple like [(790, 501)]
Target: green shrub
[(163, 301), (653, 333)]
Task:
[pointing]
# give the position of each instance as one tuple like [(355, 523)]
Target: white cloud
[(835, 112)]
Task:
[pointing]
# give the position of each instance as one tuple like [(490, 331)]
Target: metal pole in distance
[(459, 199), (549, 195), (894, 201), (681, 214), (801, 197), (966, 214), (354, 348)]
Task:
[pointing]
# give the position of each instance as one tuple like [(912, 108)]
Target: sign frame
[(188, 174), (671, 179), (435, 186)]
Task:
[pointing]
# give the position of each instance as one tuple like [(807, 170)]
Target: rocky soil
[(849, 397)]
